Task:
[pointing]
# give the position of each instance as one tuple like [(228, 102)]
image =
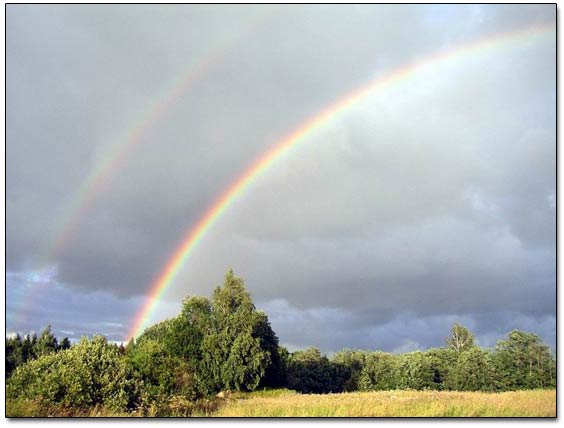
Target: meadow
[(286, 403)]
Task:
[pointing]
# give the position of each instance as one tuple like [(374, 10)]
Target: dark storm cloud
[(431, 198), (334, 329)]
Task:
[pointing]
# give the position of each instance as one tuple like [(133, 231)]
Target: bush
[(90, 373), (379, 372), (310, 372), (162, 373)]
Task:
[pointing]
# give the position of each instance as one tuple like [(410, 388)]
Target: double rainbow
[(109, 163), (291, 141)]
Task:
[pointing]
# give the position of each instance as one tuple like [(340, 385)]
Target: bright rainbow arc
[(196, 234)]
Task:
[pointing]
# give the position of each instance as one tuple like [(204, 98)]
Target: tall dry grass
[(538, 403), (285, 403)]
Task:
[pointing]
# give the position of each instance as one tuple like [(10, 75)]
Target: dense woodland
[(223, 343)]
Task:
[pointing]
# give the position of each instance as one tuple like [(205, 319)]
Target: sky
[(429, 202)]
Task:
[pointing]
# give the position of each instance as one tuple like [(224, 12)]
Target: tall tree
[(414, 371), (65, 344), (524, 362), (47, 342), (354, 361), (224, 340), (311, 372), (379, 372), (231, 355), (460, 338), (473, 371), (29, 347), (14, 353)]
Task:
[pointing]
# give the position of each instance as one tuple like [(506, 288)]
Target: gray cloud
[(433, 197)]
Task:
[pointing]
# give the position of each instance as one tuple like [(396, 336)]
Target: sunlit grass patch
[(538, 403)]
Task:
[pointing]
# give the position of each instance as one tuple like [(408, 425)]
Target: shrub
[(90, 373)]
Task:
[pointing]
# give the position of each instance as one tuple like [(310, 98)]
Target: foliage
[(237, 349), (19, 351), (87, 374), (223, 342), (442, 362), (311, 372), (474, 371), (47, 343), (524, 362), (162, 373), (414, 371), (379, 372), (460, 338), (354, 361)]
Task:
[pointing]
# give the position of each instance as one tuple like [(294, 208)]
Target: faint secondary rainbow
[(109, 163), (283, 147)]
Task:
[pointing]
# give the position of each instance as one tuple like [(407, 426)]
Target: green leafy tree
[(311, 372), (29, 347), (14, 353), (87, 374), (162, 373), (224, 341), (414, 371), (47, 342), (232, 357), (524, 362), (65, 344), (379, 372), (460, 338), (442, 362), (275, 372), (474, 371), (354, 361), (19, 351)]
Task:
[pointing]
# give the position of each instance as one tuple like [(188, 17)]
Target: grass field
[(285, 403), (392, 403)]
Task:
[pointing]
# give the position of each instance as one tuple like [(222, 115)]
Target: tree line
[(20, 350), (224, 343)]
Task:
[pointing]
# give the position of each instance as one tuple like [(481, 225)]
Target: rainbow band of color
[(196, 234), (99, 177), (113, 159)]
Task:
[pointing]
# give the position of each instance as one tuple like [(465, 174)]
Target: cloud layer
[(431, 200)]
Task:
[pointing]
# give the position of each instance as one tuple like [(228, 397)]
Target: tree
[(232, 356), (524, 362), (65, 344), (47, 342), (442, 362), (460, 339), (275, 372), (311, 372), (474, 371), (14, 353), (354, 361), (19, 351), (162, 373), (379, 372), (224, 341), (414, 371), (89, 373), (29, 347)]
